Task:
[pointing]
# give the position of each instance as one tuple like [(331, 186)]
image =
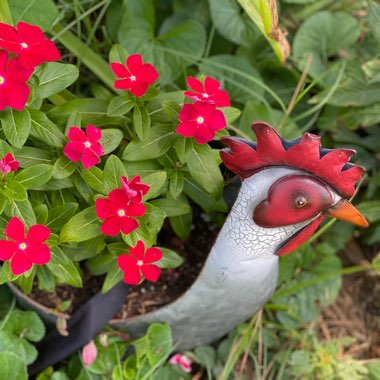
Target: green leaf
[(170, 259), (63, 168), (94, 179), (12, 367), (141, 122), (34, 176), (176, 184), (227, 18), (370, 209), (41, 212), (159, 140), (171, 109), (120, 105), (118, 53), (23, 210), (6, 274), (81, 227), (323, 35), (235, 72), (114, 276), (205, 170), (374, 19), (157, 182), (64, 268), (42, 12), (15, 191), (160, 343), (171, 207), (183, 147), (113, 170), (54, 77), (45, 130), (29, 156), (60, 215), (16, 126), (231, 114)]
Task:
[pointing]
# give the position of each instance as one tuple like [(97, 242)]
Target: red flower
[(132, 265), (134, 188), (84, 148), (183, 361), (135, 76), (210, 92), (29, 43), (8, 164), (23, 251), (117, 210), (14, 92), (200, 120)]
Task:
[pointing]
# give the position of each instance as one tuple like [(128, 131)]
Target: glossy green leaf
[(15, 191), (157, 182), (113, 170), (94, 179), (34, 176), (171, 207), (141, 122), (170, 259), (59, 215), (113, 277), (16, 125), (120, 105), (12, 367), (83, 226), (63, 168)]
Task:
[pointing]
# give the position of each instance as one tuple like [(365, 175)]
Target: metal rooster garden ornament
[(288, 188)]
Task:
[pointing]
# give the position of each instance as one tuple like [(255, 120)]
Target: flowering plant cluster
[(88, 182)]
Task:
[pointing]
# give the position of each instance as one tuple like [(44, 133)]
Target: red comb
[(245, 158)]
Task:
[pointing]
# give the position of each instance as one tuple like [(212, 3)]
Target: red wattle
[(300, 238)]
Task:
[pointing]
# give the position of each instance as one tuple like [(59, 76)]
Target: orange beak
[(344, 210)]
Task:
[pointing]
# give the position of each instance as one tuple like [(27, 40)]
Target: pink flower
[(183, 361), (135, 76), (138, 261), (8, 164), (21, 251), (210, 92), (29, 43), (134, 188), (200, 120), (89, 353), (84, 148), (14, 92), (118, 211)]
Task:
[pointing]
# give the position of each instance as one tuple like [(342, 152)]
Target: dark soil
[(147, 296)]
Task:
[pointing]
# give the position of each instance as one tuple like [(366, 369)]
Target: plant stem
[(239, 132), (5, 13), (83, 52)]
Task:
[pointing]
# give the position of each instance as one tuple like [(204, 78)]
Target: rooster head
[(322, 182)]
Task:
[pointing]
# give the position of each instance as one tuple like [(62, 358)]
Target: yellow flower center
[(140, 263), (2, 80), (121, 212), (24, 45), (200, 119), (205, 95), (132, 78), (22, 246), (87, 144)]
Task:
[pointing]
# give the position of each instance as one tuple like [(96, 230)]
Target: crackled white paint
[(239, 275)]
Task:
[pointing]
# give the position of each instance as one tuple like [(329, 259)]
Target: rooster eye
[(300, 202)]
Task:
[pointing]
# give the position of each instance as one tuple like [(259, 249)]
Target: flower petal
[(89, 353), (135, 209), (17, 73), (119, 70), (222, 99), (104, 208), (38, 253), (187, 129), (152, 255), (17, 95), (7, 249), (204, 135), (148, 73), (138, 250), (151, 272), (132, 276), (195, 84), (94, 134), (77, 135), (38, 234), (212, 86), (139, 88), (125, 261), (89, 158), (128, 225), (20, 263), (134, 62), (73, 151), (123, 84), (15, 229), (29, 33), (9, 39), (118, 197), (111, 226)]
